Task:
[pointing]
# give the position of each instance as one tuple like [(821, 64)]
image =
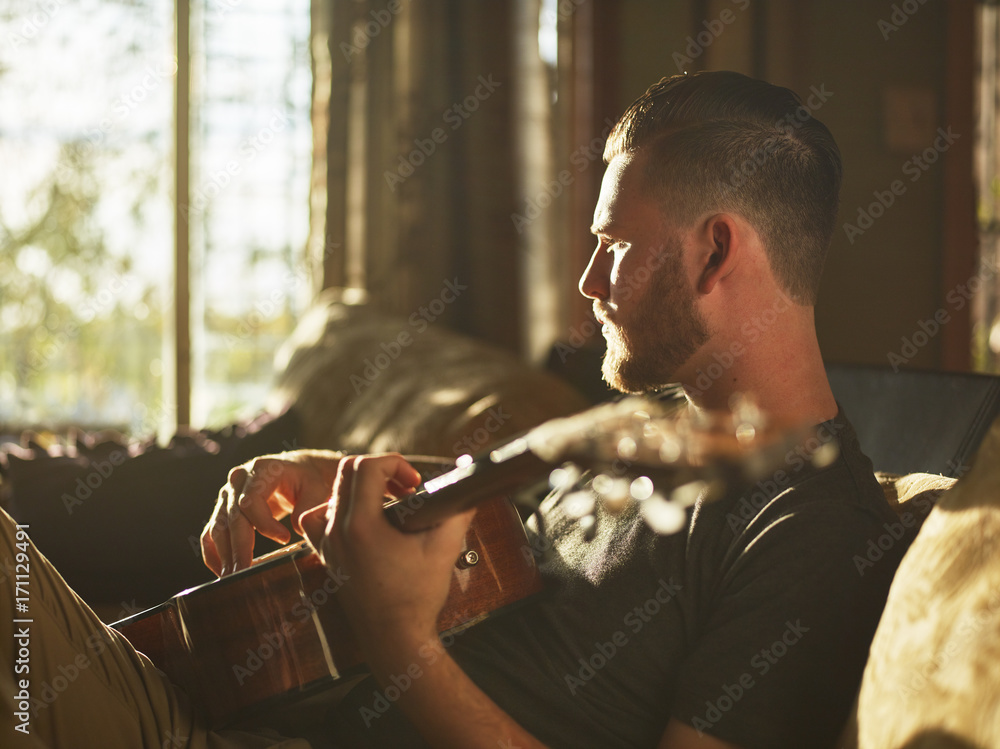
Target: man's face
[(641, 289)]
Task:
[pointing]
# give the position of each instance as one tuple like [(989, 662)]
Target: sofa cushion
[(915, 493), (362, 380), (933, 676)]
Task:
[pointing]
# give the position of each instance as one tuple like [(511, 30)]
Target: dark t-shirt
[(751, 624)]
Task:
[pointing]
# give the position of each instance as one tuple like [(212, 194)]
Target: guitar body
[(277, 630)]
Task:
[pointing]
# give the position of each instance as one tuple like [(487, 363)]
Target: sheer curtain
[(986, 330), (448, 125)]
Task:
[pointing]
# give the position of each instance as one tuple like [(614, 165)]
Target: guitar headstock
[(663, 456)]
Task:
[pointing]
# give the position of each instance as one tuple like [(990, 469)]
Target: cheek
[(627, 277), (617, 270)]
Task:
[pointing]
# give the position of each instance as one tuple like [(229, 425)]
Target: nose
[(596, 279)]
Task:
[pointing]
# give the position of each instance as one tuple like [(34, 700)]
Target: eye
[(611, 245)]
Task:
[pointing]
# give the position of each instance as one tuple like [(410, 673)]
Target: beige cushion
[(916, 493), (933, 676), (364, 381)]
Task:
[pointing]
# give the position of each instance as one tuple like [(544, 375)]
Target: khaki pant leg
[(83, 684)]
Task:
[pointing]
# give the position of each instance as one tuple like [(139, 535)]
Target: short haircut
[(720, 141)]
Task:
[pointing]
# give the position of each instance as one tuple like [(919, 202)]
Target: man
[(713, 222), (747, 628)]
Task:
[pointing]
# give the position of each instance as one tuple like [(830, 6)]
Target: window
[(87, 236)]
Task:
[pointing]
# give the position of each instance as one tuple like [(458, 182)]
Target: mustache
[(602, 312)]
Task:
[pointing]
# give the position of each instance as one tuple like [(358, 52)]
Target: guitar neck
[(511, 467)]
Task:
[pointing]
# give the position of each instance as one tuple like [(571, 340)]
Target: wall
[(880, 286)]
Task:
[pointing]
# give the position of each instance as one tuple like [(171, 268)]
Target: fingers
[(262, 480), (229, 531), (363, 483), (358, 491), (243, 508), (215, 547), (210, 553)]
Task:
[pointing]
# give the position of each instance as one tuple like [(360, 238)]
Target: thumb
[(450, 534)]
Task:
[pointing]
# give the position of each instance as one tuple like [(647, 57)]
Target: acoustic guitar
[(276, 629)]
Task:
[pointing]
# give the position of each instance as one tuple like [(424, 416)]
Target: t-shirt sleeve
[(786, 628)]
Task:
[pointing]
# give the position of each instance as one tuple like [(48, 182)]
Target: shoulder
[(822, 501)]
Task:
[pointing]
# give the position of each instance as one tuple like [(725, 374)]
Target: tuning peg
[(613, 491), (825, 454), (564, 478), (745, 410), (641, 488), (579, 504), (626, 448), (662, 515)]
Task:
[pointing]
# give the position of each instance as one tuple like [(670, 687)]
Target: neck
[(782, 371)]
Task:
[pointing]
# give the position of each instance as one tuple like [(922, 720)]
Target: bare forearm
[(445, 705)]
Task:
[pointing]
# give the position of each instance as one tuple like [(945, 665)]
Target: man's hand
[(258, 494), (398, 581), (397, 585)]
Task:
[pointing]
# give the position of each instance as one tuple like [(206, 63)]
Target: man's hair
[(720, 141)]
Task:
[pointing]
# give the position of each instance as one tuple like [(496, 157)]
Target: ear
[(720, 238)]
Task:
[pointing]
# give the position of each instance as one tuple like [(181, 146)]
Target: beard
[(649, 343)]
